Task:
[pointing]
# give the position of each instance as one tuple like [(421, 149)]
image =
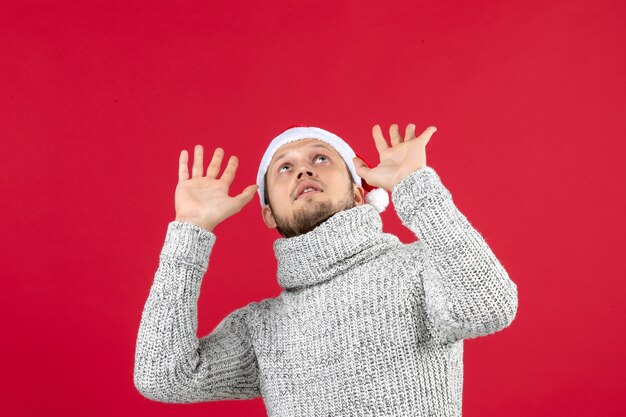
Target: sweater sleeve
[(467, 291), (171, 364)]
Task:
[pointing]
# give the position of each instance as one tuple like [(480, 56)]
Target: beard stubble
[(312, 214)]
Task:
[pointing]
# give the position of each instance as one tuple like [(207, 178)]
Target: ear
[(359, 195), (268, 217)]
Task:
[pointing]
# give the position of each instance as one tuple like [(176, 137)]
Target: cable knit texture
[(365, 325)]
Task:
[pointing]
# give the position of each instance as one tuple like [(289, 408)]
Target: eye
[(284, 165)]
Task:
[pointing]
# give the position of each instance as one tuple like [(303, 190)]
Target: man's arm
[(171, 364), (467, 290)]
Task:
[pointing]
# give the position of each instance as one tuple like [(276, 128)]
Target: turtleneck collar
[(347, 238)]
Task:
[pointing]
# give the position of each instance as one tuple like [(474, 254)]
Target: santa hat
[(375, 196)]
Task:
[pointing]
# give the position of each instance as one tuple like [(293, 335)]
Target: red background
[(97, 99)]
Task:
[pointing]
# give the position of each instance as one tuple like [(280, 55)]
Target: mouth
[(306, 188), (307, 193)]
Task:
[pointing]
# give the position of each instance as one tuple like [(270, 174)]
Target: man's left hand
[(398, 160)]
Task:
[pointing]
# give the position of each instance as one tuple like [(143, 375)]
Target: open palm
[(398, 160), (203, 199)]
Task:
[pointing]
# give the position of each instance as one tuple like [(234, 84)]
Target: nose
[(309, 173), (305, 170)]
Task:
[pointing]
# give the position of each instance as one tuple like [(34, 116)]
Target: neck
[(344, 240)]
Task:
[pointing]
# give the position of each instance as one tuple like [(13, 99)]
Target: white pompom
[(378, 198)]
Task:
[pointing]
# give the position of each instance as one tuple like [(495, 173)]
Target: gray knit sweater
[(365, 325)]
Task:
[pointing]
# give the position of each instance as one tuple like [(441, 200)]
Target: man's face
[(319, 164)]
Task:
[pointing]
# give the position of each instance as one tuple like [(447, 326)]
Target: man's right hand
[(204, 200)]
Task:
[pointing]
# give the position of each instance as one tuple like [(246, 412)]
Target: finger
[(196, 170), (426, 135), (183, 169), (229, 172), (381, 143), (216, 163), (394, 134), (410, 132), (247, 194)]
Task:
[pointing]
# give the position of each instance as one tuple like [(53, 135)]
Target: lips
[(307, 184)]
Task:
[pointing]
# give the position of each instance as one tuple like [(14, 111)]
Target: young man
[(365, 325)]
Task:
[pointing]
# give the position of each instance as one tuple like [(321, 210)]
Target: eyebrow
[(282, 155)]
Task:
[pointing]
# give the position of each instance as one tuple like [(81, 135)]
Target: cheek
[(278, 191)]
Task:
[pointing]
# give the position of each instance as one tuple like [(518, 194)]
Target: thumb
[(361, 167), (247, 194)]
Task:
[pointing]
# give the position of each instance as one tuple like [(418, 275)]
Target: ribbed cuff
[(188, 243), (417, 188)]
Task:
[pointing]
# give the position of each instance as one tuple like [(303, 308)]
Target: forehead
[(301, 145)]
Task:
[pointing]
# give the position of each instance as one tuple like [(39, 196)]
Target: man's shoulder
[(264, 304), (402, 249)]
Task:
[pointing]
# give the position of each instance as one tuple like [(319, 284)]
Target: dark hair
[(266, 196)]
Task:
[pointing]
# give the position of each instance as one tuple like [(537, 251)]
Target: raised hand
[(398, 160), (204, 200)]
